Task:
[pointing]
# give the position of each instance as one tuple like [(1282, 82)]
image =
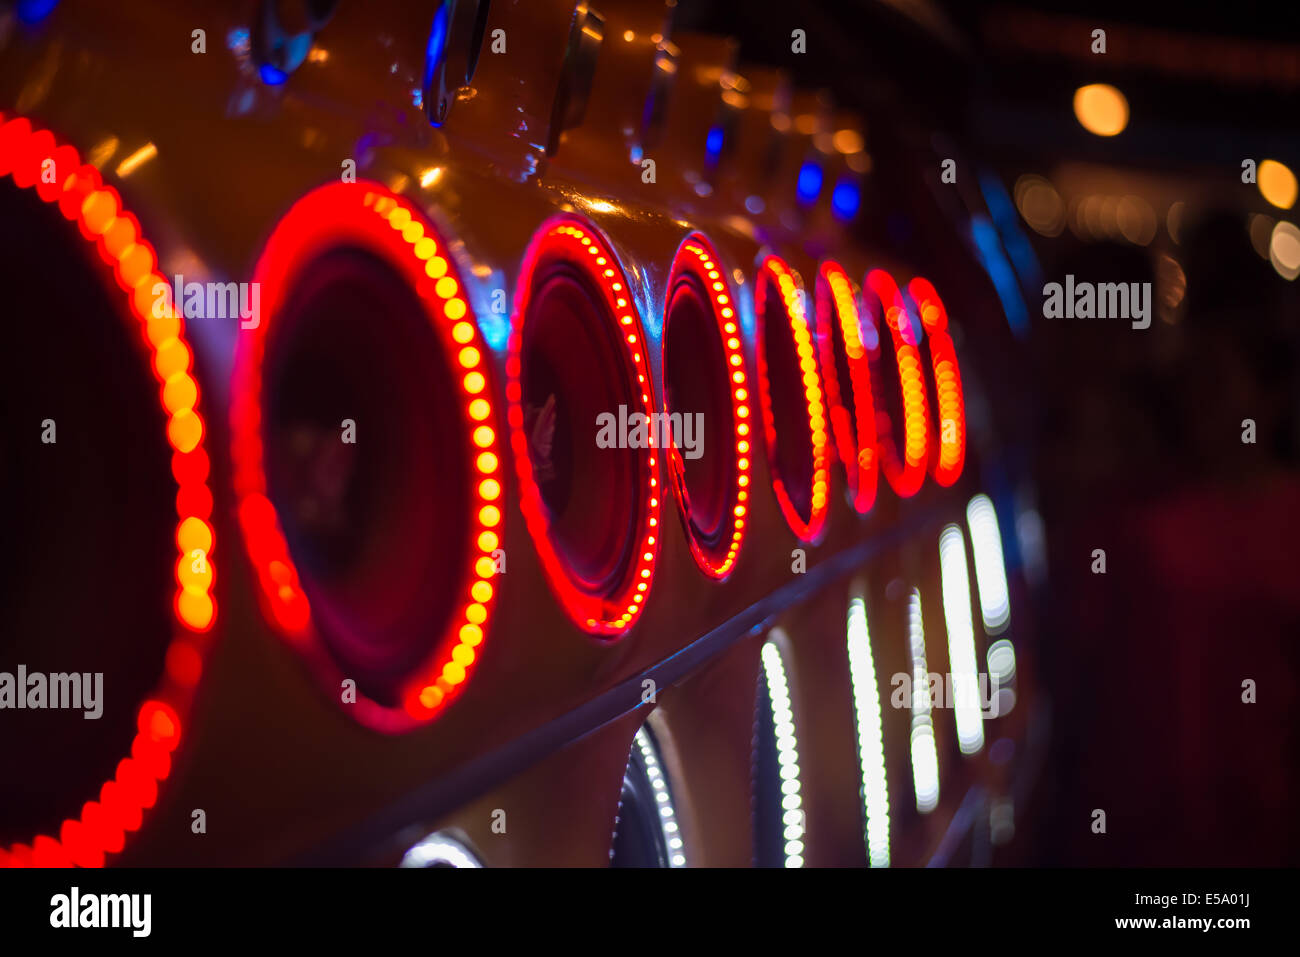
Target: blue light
[(846, 199), (238, 41), (999, 269), (495, 329), (272, 76), (437, 48), (810, 181), (1014, 239), (34, 11), (713, 145)]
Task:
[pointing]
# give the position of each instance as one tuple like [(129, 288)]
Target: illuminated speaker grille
[(794, 410), (706, 396), (366, 458), (108, 580), (580, 417)]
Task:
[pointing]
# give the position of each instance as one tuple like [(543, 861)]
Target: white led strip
[(787, 753), (871, 740), (961, 639), (925, 755), (990, 566), (663, 799)]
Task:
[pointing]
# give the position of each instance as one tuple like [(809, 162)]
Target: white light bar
[(925, 755), (787, 753), (990, 564), (961, 639), (871, 743)]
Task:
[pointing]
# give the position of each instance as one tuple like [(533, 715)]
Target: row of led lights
[(393, 226), (444, 849), (994, 601)]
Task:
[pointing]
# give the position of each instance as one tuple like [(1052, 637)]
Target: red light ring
[(948, 453), (905, 472), (778, 272), (836, 302), (697, 256), (573, 240), (97, 210), (368, 214)]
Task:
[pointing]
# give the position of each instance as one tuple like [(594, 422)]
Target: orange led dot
[(424, 248), (193, 533), (474, 382), (453, 673), (489, 489), (489, 515), (476, 614), (479, 409), (185, 430), (471, 635), (481, 591), (463, 655), (486, 462), (193, 571), (446, 287), (484, 436), (436, 268), (98, 211), (136, 264), (194, 605), (120, 235), (179, 392), (172, 357), (412, 232), (469, 357), (160, 329), (455, 308), (431, 696), (462, 332), (488, 541)]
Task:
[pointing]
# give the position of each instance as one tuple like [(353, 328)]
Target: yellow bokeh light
[(1277, 183), (1101, 109)]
